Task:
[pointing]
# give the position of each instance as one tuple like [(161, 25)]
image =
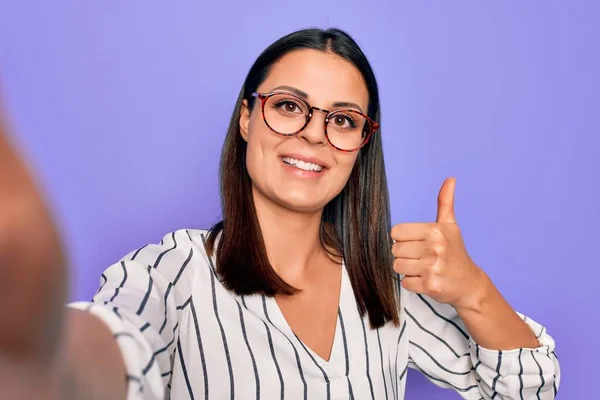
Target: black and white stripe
[(182, 333), (367, 362), (346, 358)]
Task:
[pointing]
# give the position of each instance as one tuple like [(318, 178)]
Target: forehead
[(325, 77)]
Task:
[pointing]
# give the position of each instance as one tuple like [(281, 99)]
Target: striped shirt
[(183, 335)]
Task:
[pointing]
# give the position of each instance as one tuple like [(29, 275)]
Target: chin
[(302, 204)]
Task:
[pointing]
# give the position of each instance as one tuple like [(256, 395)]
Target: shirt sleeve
[(440, 347), (142, 299)]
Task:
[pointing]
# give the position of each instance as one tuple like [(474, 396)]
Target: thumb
[(445, 211)]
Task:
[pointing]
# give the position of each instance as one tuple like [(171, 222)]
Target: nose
[(314, 131)]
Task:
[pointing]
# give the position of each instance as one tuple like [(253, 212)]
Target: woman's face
[(327, 80)]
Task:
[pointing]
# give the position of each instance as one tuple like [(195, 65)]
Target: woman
[(297, 292)]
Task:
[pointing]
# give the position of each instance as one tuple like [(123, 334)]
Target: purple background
[(122, 107)]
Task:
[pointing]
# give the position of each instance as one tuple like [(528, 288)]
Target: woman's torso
[(241, 347)]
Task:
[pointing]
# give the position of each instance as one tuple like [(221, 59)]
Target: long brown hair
[(356, 223)]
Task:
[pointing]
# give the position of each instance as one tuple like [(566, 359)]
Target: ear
[(244, 119)]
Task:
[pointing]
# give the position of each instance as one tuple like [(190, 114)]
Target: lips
[(296, 159), (303, 165)]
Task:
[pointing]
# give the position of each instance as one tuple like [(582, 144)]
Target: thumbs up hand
[(433, 258)]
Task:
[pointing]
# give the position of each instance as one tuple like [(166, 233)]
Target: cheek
[(259, 135), (255, 140), (344, 165), (346, 162), (261, 144), (254, 155)]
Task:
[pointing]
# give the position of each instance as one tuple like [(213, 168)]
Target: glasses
[(287, 114)]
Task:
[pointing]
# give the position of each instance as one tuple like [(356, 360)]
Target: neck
[(291, 238)]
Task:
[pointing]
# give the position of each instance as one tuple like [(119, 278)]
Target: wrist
[(479, 296)]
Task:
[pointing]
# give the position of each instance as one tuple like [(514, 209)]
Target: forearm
[(492, 322), (95, 368), (45, 351), (32, 268), (87, 365)]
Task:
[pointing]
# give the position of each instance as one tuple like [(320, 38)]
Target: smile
[(303, 165)]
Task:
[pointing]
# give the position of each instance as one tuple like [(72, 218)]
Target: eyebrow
[(304, 95)]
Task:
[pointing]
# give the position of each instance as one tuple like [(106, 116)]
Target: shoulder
[(177, 251), (171, 241)]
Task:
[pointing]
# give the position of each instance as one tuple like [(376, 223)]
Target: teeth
[(306, 166)]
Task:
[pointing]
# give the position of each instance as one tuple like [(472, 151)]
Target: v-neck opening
[(336, 346)]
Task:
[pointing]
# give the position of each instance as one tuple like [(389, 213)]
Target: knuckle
[(436, 233), (434, 286), (437, 236), (396, 248), (406, 284), (395, 232), (398, 265), (437, 269), (438, 249)]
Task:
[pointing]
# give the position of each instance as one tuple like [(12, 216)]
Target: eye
[(343, 121), (288, 106)]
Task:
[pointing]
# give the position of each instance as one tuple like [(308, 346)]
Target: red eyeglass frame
[(374, 126)]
